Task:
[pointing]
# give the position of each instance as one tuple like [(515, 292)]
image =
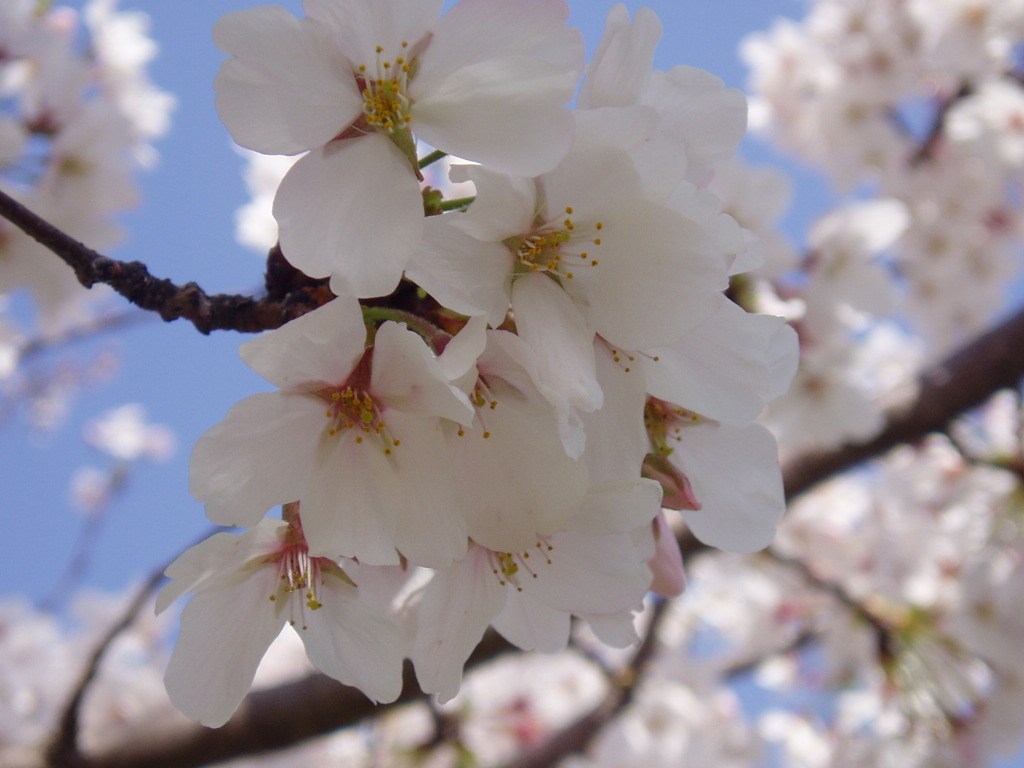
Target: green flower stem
[(433, 157), (456, 203), (434, 336)]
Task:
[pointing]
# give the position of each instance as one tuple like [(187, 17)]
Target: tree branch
[(963, 381), (134, 282)]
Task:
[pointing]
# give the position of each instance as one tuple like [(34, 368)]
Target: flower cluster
[(482, 427), (74, 127)]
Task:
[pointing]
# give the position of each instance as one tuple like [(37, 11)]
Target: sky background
[(184, 230)]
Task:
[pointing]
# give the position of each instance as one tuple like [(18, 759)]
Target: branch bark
[(170, 301)]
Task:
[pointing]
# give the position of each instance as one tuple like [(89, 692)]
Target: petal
[(531, 625), (406, 376), (492, 83), (287, 90), (354, 643), (658, 276), (456, 608), (215, 559), (349, 508), (588, 574), (224, 634), (353, 210), (318, 349), (622, 63), (552, 325), (260, 456), (728, 367), (504, 206), (735, 475), (360, 26), (462, 273)]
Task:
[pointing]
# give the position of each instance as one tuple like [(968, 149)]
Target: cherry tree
[(558, 452)]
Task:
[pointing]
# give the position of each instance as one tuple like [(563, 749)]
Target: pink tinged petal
[(728, 367), (260, 456), (406, 376), (287, 90), (678, 491), (667, 563), (462, 273), (359, 26), (349, 508), (550, 322), (531, 625), (658, 276), (314, 351), (492, 84), (622, 63), (353, 210), (224, 634), (735, 474), (216, 559), (456, 608), (354, 643), (505, 206)]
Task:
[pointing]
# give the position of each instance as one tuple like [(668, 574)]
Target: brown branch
[(170, 301), (963, 381)]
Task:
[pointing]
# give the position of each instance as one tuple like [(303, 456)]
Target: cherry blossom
[(246, 588), (354, 80)]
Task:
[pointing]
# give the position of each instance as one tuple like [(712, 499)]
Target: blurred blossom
[(124, 434)]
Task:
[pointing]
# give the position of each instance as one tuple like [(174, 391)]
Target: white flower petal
[(286, 91), (728, 367), (354, 643), (456, 608), (317, 350), (352, 210), (462, 273), (492, 84), (658, 276), (224, 634), (550, 322), (531, 625), (214, 559), (407, 376), (735, 476), (260, 456)]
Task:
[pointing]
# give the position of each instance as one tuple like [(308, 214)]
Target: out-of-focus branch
[(133, 281), (577, 736), (963, 381)]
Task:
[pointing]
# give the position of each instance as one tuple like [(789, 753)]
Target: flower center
[(558, 248), (665, 422), (385, 103), (354, 410), (510, 567)]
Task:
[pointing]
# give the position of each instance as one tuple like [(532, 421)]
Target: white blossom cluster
[(919, 103), (496, 455), (75, 123)]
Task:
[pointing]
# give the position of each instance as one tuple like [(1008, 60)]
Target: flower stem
[(433, 157)]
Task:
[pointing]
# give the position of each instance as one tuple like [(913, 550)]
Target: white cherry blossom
[(354, 80)]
